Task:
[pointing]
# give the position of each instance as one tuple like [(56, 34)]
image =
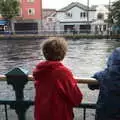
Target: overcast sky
[(58, 4)]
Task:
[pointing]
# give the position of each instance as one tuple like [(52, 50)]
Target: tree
[(9, 9), (114, 14), (110, 19), (100, 16), (114, 17)]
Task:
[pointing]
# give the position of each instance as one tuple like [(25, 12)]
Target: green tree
[(110, 18), (9, 9), (114, 17), (115, 13), (100, 16)]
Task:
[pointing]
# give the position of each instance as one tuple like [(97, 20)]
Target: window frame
[(32, 11), (31, 1)]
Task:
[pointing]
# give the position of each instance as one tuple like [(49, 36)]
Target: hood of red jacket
[(46, 67)]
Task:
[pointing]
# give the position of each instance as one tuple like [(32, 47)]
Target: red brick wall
[(37, 5)]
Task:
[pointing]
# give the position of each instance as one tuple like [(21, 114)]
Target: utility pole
[(109, 4), (109, 29), (88, 16)]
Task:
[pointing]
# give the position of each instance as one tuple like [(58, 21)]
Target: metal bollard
[(18, 78)]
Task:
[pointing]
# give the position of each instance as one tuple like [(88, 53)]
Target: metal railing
[(18, 78), (12, 103), (55, 32)]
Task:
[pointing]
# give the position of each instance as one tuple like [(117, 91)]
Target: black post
[(18, 78)]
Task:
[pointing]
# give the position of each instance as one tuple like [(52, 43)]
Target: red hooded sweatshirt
[(56, 92)]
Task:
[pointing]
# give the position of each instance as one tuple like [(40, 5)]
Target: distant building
[(78, 18), (49, 20), (3, 25), (74, 18), (99, 24), (30, 17)]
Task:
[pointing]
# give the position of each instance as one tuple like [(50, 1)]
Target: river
[(84, 56)]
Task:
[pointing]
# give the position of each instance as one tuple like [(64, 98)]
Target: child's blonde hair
[(54, 49)]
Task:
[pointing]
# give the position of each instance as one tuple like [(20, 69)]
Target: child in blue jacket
[(108, 103)]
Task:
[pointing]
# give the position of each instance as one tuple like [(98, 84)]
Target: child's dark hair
[(54, 49)]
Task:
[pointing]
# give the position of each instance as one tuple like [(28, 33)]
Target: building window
[(50, 19), (68, 14), (83, 14), (31, 1), (31, 11)]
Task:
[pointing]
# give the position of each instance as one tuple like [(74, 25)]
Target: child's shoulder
[(64, 70)]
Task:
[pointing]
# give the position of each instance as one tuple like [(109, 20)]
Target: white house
[(78, 18), (75, 17), (99, 26)]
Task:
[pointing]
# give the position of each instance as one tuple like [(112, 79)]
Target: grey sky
[(58, 4)]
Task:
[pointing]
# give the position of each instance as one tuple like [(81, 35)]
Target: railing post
[(18, 78)]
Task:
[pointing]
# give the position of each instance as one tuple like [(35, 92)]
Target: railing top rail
[(80, 80)]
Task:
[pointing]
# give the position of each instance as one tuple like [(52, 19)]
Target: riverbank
[(22, 37), (43, 36)]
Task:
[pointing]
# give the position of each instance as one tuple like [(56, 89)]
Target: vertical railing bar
[(84, 113), (6, 114)]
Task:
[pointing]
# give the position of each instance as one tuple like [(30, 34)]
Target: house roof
[(48, 12), (73, 4)]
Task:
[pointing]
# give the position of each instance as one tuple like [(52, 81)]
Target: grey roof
[(73, 4), (48, 12)]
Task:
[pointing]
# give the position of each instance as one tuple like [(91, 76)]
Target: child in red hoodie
[(56, 89)]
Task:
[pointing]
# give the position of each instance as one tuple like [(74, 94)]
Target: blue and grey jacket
[(108, 104)]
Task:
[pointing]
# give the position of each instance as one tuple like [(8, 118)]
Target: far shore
[(44, 36)]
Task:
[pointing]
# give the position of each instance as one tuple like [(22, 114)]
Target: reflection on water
[(84, 56)]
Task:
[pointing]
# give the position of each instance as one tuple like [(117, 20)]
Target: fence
[(55, 32), (18, 78)]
